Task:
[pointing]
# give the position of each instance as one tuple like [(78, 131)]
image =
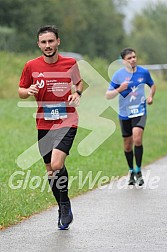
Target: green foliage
[(91, 27), (149, 34), (24, 17), (11, 65), (8, 37)]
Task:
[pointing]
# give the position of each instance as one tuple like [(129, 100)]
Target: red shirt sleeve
[(75, 74), (26, 77)]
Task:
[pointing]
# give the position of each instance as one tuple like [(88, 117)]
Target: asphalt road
[(115, 218)]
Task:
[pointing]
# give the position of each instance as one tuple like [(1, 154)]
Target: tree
[(7, 38), (91, 27), (24, 17), (149, 34)]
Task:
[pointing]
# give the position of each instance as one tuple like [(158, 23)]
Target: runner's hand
[(74, 100), (123, 86), (149, 100), (33, 90)]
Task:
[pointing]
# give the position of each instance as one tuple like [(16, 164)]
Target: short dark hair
[(48, 28), (126, 51)]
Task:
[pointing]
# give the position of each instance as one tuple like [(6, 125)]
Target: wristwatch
[(78, 92)]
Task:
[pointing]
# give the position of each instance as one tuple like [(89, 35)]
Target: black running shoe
[(66, 216), (132, 180), (60, 226), (139, 179)]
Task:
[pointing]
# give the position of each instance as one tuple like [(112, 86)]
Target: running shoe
[(139, 179), (66, 216), (60, 226), (132, 179)]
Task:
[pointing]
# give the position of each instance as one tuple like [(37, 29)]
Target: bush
[(8, 37)]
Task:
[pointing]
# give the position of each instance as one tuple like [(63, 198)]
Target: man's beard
[(51, 55)]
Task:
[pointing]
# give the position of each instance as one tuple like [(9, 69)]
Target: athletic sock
[(129, 158), (138, 150), (59, 185), (131, 170), (56, 192), (63, 185), (138, 169)]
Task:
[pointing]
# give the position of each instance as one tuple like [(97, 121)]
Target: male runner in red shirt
[(49, 78)]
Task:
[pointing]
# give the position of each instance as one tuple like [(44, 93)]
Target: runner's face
[(48, 43), (131, 59)]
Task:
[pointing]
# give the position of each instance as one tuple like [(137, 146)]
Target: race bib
[(136, 110), (55, 111)]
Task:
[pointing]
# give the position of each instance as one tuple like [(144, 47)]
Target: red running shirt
[(54, 82)]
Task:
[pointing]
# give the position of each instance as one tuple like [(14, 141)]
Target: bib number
[(55, 111), (136, 110)]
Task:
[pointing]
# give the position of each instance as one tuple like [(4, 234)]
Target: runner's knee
[(137, 140), (128, 144), (56, 165)]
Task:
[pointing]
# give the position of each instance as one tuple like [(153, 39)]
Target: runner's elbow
[(109, 95)]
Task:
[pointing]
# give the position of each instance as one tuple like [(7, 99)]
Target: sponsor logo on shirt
[(140, 80), (40, 83)]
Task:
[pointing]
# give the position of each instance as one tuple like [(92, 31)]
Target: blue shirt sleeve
[(149, 80), (114, 82)]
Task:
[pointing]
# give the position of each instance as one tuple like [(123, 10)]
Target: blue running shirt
[(132, 101)]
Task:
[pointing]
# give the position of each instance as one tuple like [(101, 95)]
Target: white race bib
[(55, 111), (136, 110)]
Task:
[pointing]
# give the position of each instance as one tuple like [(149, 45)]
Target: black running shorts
[(60, 139), (128, 125)]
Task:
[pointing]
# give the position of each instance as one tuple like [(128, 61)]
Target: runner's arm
[(79, 87), (24, 93), (110, 94), (151, 94), (75, 97)]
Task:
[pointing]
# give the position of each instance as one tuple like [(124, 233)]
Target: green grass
[(11, 65), (18, 133)]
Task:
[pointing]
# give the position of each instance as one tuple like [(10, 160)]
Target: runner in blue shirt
[(129, 82)]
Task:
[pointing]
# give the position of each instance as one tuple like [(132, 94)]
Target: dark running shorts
[(128, 125), (60, 139)]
